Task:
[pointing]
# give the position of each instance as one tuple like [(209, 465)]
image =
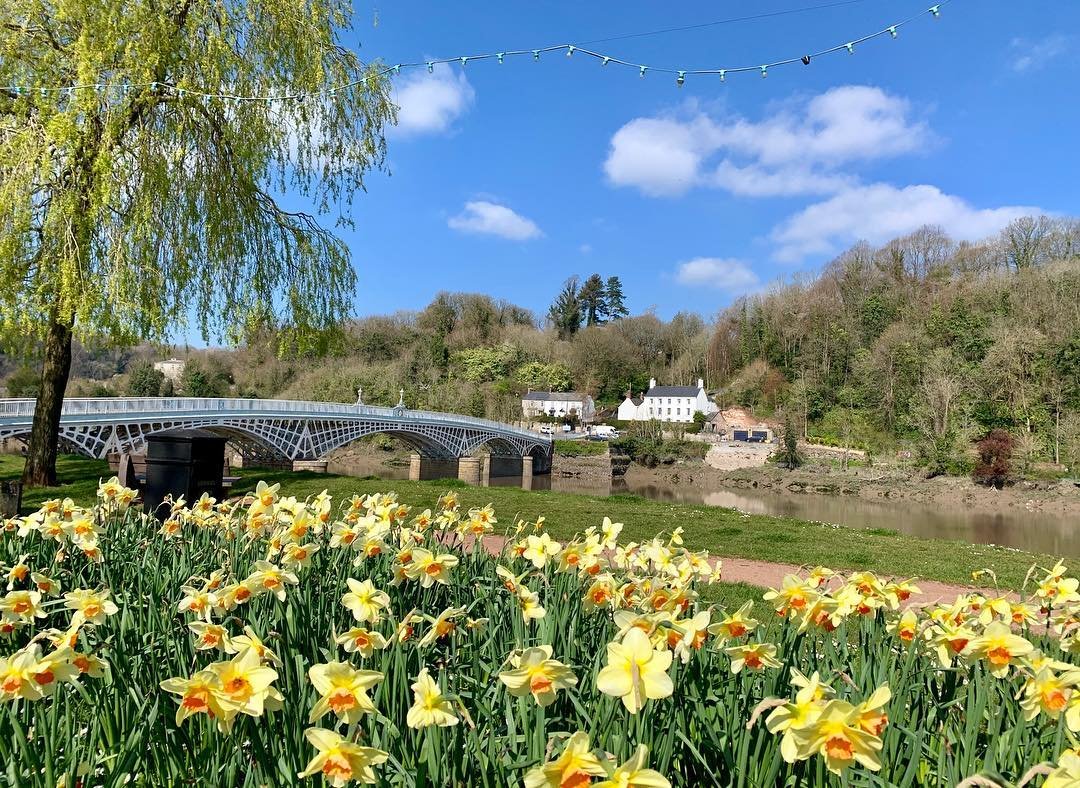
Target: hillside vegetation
[(921, 345)]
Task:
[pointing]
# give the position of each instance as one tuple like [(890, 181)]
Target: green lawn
[(724, 532)]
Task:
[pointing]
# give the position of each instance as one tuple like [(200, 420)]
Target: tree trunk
[(40, 467)]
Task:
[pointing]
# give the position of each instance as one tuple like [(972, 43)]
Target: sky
[(507, 179)]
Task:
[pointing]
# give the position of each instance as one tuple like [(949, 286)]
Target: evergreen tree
[(565, 313), (145, 381), (593, 300), (616, 304)]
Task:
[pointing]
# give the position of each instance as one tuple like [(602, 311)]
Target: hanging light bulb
[(536, 54), (605, 61), (850, 48), (681, 79), (464, 62), (642, 70), (499, 56), (570, 50), (892, 31), (430, 67), (764, 72), (397, 69), (935, 10), (805, 60), (723, 72)]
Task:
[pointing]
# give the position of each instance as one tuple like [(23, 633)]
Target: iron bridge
[(263, 429)]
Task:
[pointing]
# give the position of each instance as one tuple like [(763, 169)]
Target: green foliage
[(539, 376), (652, 451), (616, 300), (144, 380), (565, 448), (485, 364), (787, 456), (23, 382), (477, 403), (593, 300), (204, 379), (126, 214), (565, 312)]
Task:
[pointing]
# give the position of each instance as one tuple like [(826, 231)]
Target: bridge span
[(302, 433)]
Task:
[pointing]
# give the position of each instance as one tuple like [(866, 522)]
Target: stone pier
[(311, 466), (425, 468), (469, 470)]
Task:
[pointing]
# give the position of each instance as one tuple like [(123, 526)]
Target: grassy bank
[(724, 532)]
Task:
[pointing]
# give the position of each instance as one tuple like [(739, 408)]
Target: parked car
[(547, 429), (567, 428)]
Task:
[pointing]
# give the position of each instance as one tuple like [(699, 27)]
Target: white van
[(605, 431)]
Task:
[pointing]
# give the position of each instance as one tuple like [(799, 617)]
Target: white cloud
[(585, 248), (430, 103), (717, 272), (1033, 55), (488, 218), (795, 150), (879, 212)]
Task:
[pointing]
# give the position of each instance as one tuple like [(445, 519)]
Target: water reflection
[(1038, 532)]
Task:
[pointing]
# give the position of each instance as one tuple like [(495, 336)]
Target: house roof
[(556, 396), (635, 400), (672, 391)]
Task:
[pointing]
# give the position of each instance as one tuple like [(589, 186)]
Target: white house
[(668, 403), (171, 369), (559, 403)]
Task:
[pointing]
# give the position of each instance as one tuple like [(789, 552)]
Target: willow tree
[(146, 188)]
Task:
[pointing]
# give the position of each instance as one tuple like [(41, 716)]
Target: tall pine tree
[(565, 313), (616, 303), (593, 300)]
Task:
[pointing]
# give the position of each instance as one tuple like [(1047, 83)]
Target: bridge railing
[(164, 406)]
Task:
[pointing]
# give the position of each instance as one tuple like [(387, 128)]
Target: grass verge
[(723, 532)]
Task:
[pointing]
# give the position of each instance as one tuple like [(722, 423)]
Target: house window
[(669, 409), (678, 411)]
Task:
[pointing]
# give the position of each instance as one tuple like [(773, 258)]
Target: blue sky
[(508, 179)]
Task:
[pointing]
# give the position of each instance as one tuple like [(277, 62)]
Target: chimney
[(700, 383), (652, 383)]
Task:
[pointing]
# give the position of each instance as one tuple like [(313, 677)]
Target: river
[(1033, 531)]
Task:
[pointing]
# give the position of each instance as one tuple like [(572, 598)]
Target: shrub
[(994, 464)]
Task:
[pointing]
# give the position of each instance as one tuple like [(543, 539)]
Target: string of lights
[(681, 75)]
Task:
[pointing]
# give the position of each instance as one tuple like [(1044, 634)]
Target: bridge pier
[(469, 470), (425, 468), (499, 467), (311, 466)]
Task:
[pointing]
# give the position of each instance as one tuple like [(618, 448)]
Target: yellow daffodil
[(798, 715), (1046, 692), (754, 656), (430, 568), (574, 768), (366, 602), (1067, 773), (245, 683), (430, 706), (540, 549), (341, 761), (361, 641), (839, 738), (442, 626), (736, 625), (209, 636), (906, 627), (535, 672), (90, 606), (343, 690), (21, 606), (634, 774), (529, 604), (635, 671), (999, 647), (200, 694)]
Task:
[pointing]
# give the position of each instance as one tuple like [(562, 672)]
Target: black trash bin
[(184, 463)]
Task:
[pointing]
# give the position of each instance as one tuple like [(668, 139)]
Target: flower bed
[(271, 640)]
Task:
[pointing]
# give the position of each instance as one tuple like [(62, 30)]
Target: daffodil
[(906, 627), (753, 656), (90, 606), (200, 694), (361, 641), (999, 647), (535, 672), (209, 636), (442, 626), (574, 768), (736, 625), (245, 683), (366, 602), (341, 761), (430, 706), (798, 715), (343, 690), (21, 606), (529, 604), (634, 774), (431, 568), (249, 641), (540, 549), (839, 738), (635, 671), (1046, 692), (1067, 773)]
